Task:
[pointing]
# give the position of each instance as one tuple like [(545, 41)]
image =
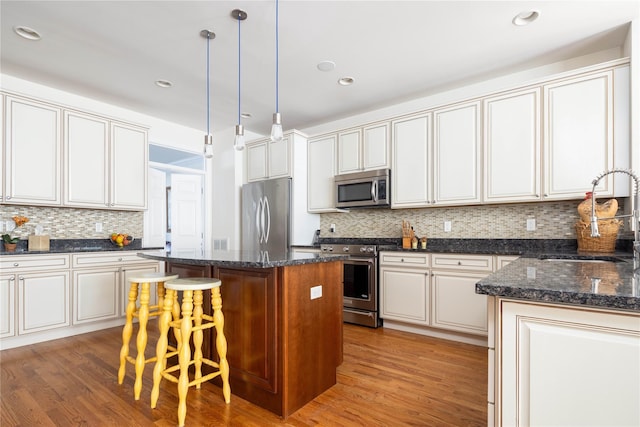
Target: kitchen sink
[(605, 259)]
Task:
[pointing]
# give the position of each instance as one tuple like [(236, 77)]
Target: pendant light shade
[(208, 138), (238, 142), (276, 128)]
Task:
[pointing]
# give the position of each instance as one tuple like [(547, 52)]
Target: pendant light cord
[(277, 59), (239, 68), (208, 95)]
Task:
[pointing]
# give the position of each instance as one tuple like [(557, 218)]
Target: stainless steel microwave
[(363, 189)]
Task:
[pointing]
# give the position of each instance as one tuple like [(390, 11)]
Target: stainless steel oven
[(360, 280)]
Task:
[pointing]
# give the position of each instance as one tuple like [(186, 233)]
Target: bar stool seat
[(143, 312), (190, 324)]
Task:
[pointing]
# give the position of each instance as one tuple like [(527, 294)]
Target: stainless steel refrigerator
[(266, 215)]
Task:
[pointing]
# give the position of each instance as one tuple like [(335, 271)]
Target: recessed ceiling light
[(326, 65), (346, 81), (525, 18), (27, 33), (163, 83), (246, 115)]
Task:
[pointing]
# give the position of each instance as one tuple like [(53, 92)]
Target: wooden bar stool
[(190, 322), (143, 312)]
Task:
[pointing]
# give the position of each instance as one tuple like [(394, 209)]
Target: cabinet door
[(411, 158), (321, 167), (33, 147), (375, 146), (512, 167), (456, 154), (257, 161), (569, 367), (578, 136), (455, 304), (349, 151), (86, 153), (7, 305), (43, 301), (95, 295), (2, 139), (129, 163), (280, 158), (404, 295)]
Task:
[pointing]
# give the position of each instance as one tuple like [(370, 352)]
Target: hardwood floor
[(388, 378)]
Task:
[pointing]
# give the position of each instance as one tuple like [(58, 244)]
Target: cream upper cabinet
[(86, 153), (321, 168), (578, 142), (266, 159), (411, 161), (456, 154), (33, 144), (512, 166), (129, 160), (349, 151), (364, 148), (2, 167)]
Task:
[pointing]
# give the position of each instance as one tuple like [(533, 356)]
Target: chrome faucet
[(634, 215)]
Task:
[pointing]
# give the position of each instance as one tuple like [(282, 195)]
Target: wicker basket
[(605, 243)]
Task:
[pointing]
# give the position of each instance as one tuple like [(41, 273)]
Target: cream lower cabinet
[(404, 287), (565, 366)]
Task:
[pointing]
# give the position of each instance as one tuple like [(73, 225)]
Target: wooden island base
[(283, 346)]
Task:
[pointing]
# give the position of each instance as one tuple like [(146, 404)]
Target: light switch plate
[(447, 226), (531, 224)]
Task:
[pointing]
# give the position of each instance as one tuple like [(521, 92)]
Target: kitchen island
[(564, 341), (283, 321)]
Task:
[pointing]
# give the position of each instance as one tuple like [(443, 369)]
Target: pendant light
[(276, 128), (239, 15), (208, 138)]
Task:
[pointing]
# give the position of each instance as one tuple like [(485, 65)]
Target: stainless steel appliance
[(360, 280), (363, 189), (266, 215)]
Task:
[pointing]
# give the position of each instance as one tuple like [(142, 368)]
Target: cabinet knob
[(15, 264), (459, 263), (12, 279), (20, 277), (119, 259), (8, 197), (401, 259)]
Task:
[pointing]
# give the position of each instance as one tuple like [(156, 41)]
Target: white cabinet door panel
[(456, 154), (95, 295), (349, 151), (256, 161), (404, 295), (280, 158), (321, 167), (129, 160), (411, 162), (43, 301), (375, 142), (7, 305), (455, 305), (86, 148), (512, 147)]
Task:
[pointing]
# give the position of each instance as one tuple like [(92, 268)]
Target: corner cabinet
[(564, 365), (32, 166), (321, 170)]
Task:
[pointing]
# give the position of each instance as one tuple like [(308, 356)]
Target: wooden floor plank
[(388, 378)]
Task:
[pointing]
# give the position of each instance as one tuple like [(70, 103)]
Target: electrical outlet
[(9, 225), (447, 226), (332, 228), (316, 292), (531, 224), (98, 227)]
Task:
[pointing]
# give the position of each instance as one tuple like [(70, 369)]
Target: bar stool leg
[(141, 342), (127, 331), (161, 348), (197, 336), (160, 293), (184, 355), (221, 342)]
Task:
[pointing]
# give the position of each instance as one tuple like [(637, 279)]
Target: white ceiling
[(395, 50)]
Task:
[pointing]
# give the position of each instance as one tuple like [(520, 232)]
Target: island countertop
[(245, 259), (610, 283)]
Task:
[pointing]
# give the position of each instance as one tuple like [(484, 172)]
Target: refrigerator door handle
[(268, 220), (259, 220)]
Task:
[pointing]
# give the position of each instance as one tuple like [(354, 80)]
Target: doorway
[(174, 218)]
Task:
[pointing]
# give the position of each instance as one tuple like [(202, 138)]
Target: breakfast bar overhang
[(283, 321)]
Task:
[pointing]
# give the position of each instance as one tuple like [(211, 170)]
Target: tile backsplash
[(554, 220), (69, 223)]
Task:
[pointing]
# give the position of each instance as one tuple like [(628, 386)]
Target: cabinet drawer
[(34, 262), (406, 259), (106, 258), (463, 262)]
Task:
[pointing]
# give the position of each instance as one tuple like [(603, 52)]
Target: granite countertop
[(246, 259), (610, 282), (59, 246)]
